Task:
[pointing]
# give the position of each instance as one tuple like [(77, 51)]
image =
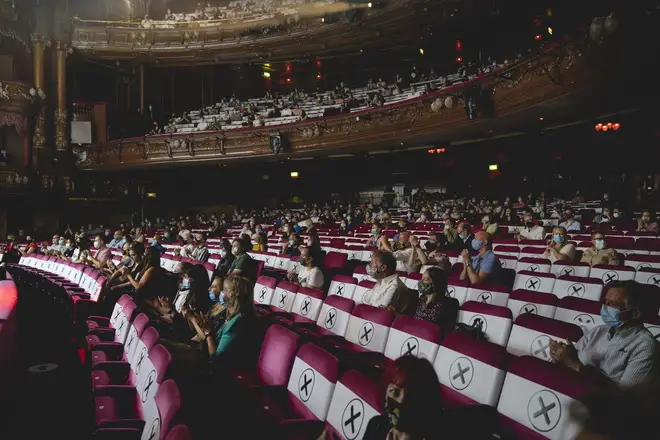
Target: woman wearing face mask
[(558, 248), (434, 305), (226, 258), (646, 222), (412, 407), (604, 217), (259, 243), (376, 232), (217, 313), (309, 275), (291, 248)]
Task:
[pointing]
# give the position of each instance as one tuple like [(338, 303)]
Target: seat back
[(356, 400), (535, 281), (312, 381), (534, 265), (563, 268), (412, 280), (152, 373), (159, 416), (493, 294), (458, 290), (609, 273), (540, 396), (537, 303), (335, 314), (579, 287), (143, 346), (135, 331), (360, 273), (472, 368), (369, 327), (531, 335), (307, 305), (411, 336), (343, 285), (277, 354), (123, 323), (263, 290), (283, 296), (363, 291), (495, 321), (335, 261), (581, 312)]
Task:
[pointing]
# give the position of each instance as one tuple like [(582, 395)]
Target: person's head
[(403, 223), (606, 212), (412, 401), (404, 238), (622, 304), (56, 239), (196, 278), (598, 240), (646, 216), (238, 247), (568, 214), (382, 265), (156, 239), (307, 258), (464, 230), (559, 235), (201, 240), (117, 235), (528, 219), (294, 240), (136, 251), (376, 229), (151, 258), (99, 242), (238, 296), (433, 284), (482, 241), (215, 290)]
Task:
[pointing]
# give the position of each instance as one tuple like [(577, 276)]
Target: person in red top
[(31, 246), (102, 255)]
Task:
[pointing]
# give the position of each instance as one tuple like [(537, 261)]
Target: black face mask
[(529, 224), (397, 416)]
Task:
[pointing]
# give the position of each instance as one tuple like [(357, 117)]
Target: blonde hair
[(240, 301), (560, 229)]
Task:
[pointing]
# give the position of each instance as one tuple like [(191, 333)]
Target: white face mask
[(97, 244), (234, 251), (223, 253)]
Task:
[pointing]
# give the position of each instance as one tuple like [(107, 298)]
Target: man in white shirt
[(569, 223), (531, 230), (389, 292)]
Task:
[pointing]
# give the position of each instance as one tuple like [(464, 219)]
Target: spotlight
[(370, 5)]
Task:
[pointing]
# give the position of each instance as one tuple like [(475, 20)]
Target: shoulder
[(645, 342)]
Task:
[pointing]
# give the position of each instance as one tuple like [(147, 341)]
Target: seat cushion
[(111, 408), (245, 379), (99, 356), (91, 341), (100, 378)]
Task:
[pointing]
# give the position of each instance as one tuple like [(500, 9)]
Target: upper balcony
[(318, 28)]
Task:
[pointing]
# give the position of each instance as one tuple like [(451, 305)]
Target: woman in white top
[(558, 248), (309, 275)]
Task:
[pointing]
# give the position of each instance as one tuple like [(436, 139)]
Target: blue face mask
[(610, 316), (476, 244), (185, 283), (212, 296), (221, 299), (558, 238)]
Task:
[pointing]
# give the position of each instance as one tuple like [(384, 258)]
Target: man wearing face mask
[(117, 241), (465, 237), (621, 349), (569, 223), (485, 267), (389, 292), (531, 230), (102, 254), (600, 253)]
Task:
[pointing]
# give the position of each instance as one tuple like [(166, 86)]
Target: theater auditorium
[(329, 220)]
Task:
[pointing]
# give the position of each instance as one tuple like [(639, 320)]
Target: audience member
[(569, 223), (531, 230), (434, 305), (310, 274), (558, 248), (389, 292), (600, 252), (102, 254), (646, 222), (485, 267)]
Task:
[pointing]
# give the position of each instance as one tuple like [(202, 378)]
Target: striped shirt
[(200, 254), (627, 357)]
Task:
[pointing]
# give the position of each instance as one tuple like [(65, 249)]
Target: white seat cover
[(518, 308), (561, 270), (647, 277), (525, 341), (496, 328), (311, 388), (578, 289), (457, 292), (361, 294), (611, 274), (543, 283), (542, 410), (539, 267), (262, 294), (345, 290), (333, 320), (400, 344), (368, 335), (307, 306), (586, 321), (477, 380), (283, 299), (349, 414), (487, 296)]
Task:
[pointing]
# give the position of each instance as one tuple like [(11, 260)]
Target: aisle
[(53, 400)]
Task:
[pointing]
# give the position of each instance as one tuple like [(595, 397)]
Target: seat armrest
[(115, 369), (122, 424), (112, 349), (122, 391), (117, 434), (100, 320)]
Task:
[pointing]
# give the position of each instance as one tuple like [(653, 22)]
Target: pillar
[(61, 114), (38, 47)]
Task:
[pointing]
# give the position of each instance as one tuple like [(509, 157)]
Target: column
[(38, 46), (61, 115), (142, 89)]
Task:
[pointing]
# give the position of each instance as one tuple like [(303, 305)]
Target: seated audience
[(434, 257), (532, 230), (569, 223), (450, 232), (558, 248), (621, 349), (117, 242), (389, 292), (309, 275), (200, 252), (376, 232), (465, 236), (433, 304), (600, 252), (155, 243), (102, 255), (243, 265), (226, 258), (646, 222), (485, 267)]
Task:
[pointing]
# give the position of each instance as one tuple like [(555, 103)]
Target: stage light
[(549, 30), (440, 150), (266, 74), (421, 51), (288, 80), (151, 195), (459, 59), (616, 126), (538, 37), (294, 174), (492, 167), (459, 45), (605, 128), (318, 76), (599, 126), (370, 5)]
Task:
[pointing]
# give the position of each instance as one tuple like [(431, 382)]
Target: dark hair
[(101, 238), (597, 232), (386, 259), (198, 298), (151, 258), (439, 280), (634, 294), (422, 401)]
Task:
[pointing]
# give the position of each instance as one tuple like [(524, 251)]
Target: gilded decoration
[(39, 138), (61, 136), (15, 101)]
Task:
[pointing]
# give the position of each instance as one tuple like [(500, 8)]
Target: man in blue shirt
[(485, 267)]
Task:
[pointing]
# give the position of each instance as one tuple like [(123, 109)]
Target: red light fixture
[(616, 126), (430, 151), (288, 80), (605, 128), (599, 126), (459, 45), (538, 37), (459, 59), (318, 76), (608, 126)]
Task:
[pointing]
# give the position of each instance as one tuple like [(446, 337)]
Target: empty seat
[(643, 261), (564, 268), (114, 351), (495, 321), (531, 335), (263, 290), (536, 303), (470, 371), (536, 281), (307, 305), (582, 312), (412, 280), (362, 291), (579, 287), (343, 285), (608, 273), (536, 265), (493, 294), (537, 398), (333, 317), (411, 336), (283, 297), (648, 275), (458, 290), (368, 328), (355, 402)]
